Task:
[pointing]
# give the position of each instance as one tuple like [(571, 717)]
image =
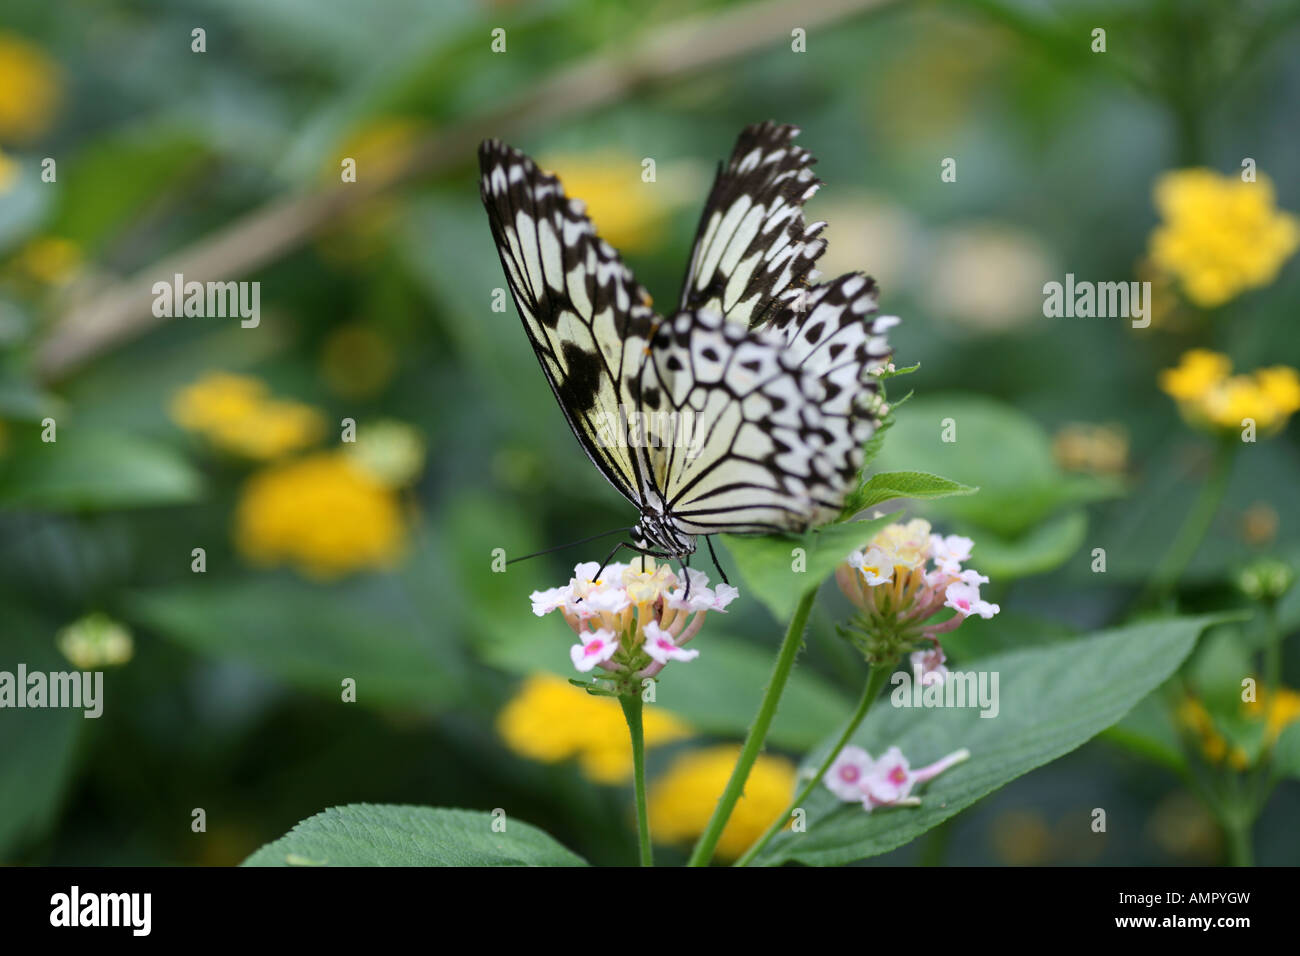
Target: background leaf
[(1052, 699), (364, 834)]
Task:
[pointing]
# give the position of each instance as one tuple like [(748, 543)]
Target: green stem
[(632, 711), (1195, 526), (1237, 828), (1272, 647), (703, 851), (875, 681)]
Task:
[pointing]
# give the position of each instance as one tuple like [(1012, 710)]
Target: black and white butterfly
[(776, 375)]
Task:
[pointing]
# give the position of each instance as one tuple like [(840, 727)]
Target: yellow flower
[(1098, 449), (8, 172), (682, 800), (1208, 396), (237, 414), (628, 213), (50, 259), (1198, 371), (1279, 710), (380, 148), (550, 720), (1220, 236), (321, 514), (29, 89), (356, 361), (907, 544)]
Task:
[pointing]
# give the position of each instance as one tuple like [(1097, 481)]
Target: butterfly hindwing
[(752, 250), (585, 314), (777, 435)]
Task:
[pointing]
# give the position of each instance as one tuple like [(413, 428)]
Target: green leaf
[(776, 573), (902, 484), (1051, 700), (96, 470), (367, 834), (113, 180), (39, 745), (1286, 753), (314, 636), (1148, 729), (999, 449), (1042, 548)]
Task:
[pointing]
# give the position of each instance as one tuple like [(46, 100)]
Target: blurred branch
[(124, 310)]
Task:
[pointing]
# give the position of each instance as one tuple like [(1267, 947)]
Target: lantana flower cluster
[(1210, 397), (886, 781), (900, 581), (632, 619)]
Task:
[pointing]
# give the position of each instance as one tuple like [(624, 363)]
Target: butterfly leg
[(610, 557), (686, 564), (708, 539)]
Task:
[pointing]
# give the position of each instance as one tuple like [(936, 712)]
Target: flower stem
[(703, 851), (1194, 528), (1237, 828), (870, 691), (632, 711)]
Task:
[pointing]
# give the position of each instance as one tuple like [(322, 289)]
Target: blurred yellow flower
[(1208, 396), (683, 799), (356, 361), (986, 277), (237, 414), (8, 172), (29, 89), (550, 720), (321, 514), (379, 148), (1097, 449), (95, 641), (628, 214), (1198, 371), (1259, 524), (1277, 709), (1220, 236), (50, 259)]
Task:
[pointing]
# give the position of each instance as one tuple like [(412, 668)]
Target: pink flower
[(928, 666), (632, 619), (889, 782), (876, 566), (544, 602), (948, 554), (596, 648), (845, 776), (965, 600), (702, 597), (662, 647)]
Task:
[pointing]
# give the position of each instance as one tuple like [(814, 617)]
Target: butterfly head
[(659, 534)]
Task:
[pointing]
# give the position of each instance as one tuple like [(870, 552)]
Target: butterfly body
[(769, 380)]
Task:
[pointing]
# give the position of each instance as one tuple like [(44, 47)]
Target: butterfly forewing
[(585, 314), (753, 250), (750, 407)]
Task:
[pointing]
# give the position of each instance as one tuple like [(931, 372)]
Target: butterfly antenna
[(708, 539), (571, 544)]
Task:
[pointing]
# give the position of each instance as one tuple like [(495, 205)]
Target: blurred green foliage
[(232, 699)]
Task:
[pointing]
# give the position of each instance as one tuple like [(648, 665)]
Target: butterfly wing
[(585, 314), (753, 251), (778, 417)]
